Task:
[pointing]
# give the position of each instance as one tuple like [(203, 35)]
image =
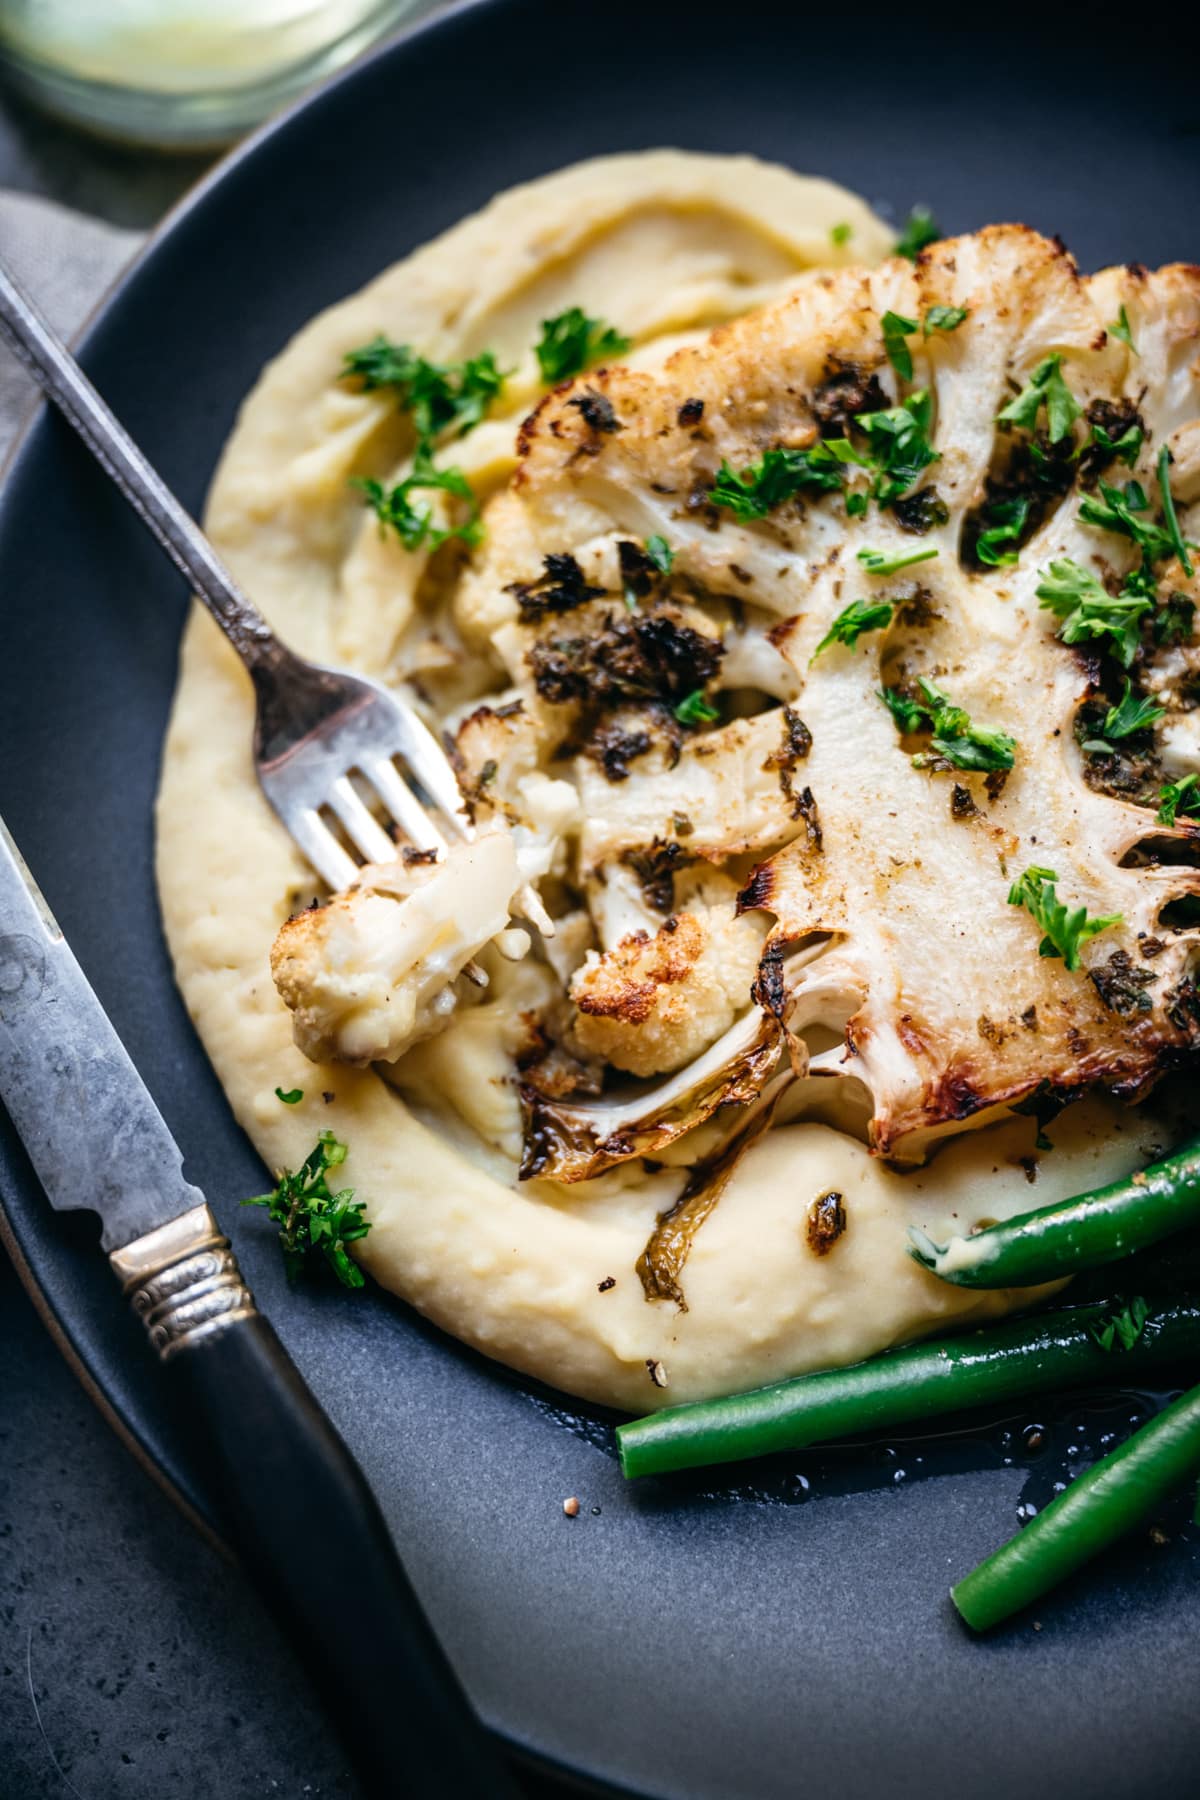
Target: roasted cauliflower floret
[(376, 969), (652, 1004)]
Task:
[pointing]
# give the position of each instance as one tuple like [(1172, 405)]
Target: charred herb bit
[(1122, 986), (691, 412), (1165, 459), (826, 1222), (293, 1097), (853, 621), (1121, 328), (1010, 518), (796, 744), (1131, 714), (571, 342), (1065, 930), (596, 411), (413, 525), (962, 806), (694, 710), (805, 808), (846, 390), (777, 476), (654, 659), (1122, 1325), (877, 562), (899, 444), (655, 867), (614, 748), (1182, 796), (1088, 610), (560, 588), (920, 512), (1175, 620), (896, 328), (315, 1225), (440, 398), (1045, 387), (920, 229)]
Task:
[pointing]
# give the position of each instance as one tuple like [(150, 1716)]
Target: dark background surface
[(134, 1627)]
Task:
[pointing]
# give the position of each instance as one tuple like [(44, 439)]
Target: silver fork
[(314, 727)]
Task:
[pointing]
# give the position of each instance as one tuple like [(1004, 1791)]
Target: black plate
[(713, 1639)]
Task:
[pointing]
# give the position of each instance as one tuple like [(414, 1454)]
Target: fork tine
[(322, 849), (365, 832), (403, 805), (431, 766)]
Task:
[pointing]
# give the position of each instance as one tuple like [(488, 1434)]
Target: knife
[(284, 1477)]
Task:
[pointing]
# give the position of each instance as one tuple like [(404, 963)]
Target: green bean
[(1113, 1498), (1081, 1233), (1012, 1361)]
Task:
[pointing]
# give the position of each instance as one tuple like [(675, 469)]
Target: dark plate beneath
[(715, 1639)]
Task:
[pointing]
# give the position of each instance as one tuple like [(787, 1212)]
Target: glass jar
[(182, 74)]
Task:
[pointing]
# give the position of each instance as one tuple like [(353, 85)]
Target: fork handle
[(306, 1526), (63, 381)]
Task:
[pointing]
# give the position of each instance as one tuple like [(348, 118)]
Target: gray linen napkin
[(65, 262)]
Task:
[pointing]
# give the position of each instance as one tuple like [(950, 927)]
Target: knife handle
[(305, 1523)]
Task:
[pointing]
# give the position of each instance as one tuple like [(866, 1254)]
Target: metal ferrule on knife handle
[(183, 1282)]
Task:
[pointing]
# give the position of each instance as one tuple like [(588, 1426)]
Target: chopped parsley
[(1121, 328), (660, 553), (1065, 931), (1121, 449), (896, 328), (1120, 1327), (956, 742), (1178, 544), (414, 525), (898, 437), (440, 398), (876, 562), (1009, 519), (1175, 620), (840, 235), (853, 620), (315, 1225), (920, 229), (293, 1097), (694, 709), (777, 475), (1182, 796), (1045, 387), (1131, 713), (571, 342), (1088, 610), (1118, 510)]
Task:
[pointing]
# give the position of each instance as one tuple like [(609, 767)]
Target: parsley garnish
[(1165, 459), (293, 1096), (776, 476), (1045, 387), (660, 553), (856, 505), (314, 1223), (694, 709), (955, 741), (1129, 715), (1120, 328), (1087, 610), (1065, 931), (876, 562), (1175, 619), (921, 228), (895, 329), (1178, 796), (1124, 448), (943, 318), (1121, 1326), (840, 234), (414, 525), (853, 620), (571, 342), (1118, 511), (438, 397), (899, 445), (1010, 519)]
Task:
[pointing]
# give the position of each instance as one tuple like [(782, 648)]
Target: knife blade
[(295, 1504), (84, 1114)]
